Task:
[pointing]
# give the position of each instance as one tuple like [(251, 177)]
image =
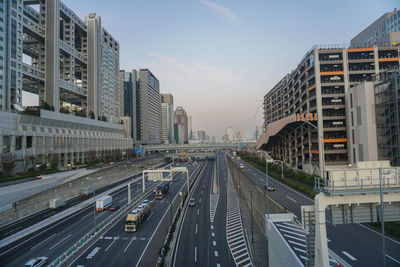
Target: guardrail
[(90, 237)]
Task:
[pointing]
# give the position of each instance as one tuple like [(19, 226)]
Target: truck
[(162, 190), (56, 203), (87, 191), (137, 216), (102, 203)]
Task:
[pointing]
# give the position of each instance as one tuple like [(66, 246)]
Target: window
[(351, 100), (6, 143), (352, 135), (18, 142), (29, 141), (352, 119)]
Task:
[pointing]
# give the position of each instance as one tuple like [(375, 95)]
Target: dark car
[(269, 187), (114, 207)]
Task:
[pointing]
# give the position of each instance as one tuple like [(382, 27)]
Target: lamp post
[(266, 173), (276, 160), (321, 145)]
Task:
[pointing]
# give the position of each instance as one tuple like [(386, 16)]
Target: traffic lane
[(187, 251), (363, 243), (220, 243), (103, 248), (64, 233)]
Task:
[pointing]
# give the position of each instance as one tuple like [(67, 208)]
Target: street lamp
[(321, 145), (382, 211), (276, 160), (266, 173)]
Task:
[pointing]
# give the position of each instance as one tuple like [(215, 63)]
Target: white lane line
[(13, 230), (393, 259), (115, 239), (212, 227), (216, 253), (42, 241), (213, 235), (349, 256), (91, 213), (128, 245), (214, 243), (196, 229), (218, 265), (198, 210), (299, 249), (291, 199), (195, 254), (60, 242), (200, 200)]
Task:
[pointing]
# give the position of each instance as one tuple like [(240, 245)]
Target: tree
[(54, 161), (8, 162), (91, 115)]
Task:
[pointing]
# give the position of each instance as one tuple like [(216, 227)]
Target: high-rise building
[(190, 135), (229, 136), (167, 118), (71, 67), (213, 140), (128, 98), (385, 31), (305, 113), (201, 135), (148, 107), (259, 131), (181, 135)]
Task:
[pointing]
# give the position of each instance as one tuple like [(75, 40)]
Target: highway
[(119, 248), (202, 240), (53, 240), (355, 243)]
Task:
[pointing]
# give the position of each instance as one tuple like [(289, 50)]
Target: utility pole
[(382, 219), (266, 172)]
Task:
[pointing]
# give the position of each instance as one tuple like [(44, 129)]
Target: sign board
[(155, 176)]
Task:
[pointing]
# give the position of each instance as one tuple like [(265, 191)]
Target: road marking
[(195, 254), (60, 241), (198, 210), (214, 243), (42, 241), (216, 253), (212, 234), (148, 218), (212, 227), (291, 199), (196, 228), (129, 244), (94, 251), (200, 200), (349, 256), (218, 265), (393, 259), (91, 213), (13, 230), (115, 239)]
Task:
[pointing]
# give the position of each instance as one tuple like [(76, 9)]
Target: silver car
[(36, 262)]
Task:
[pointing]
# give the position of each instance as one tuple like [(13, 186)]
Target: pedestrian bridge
[(188, 147), (191, 155)]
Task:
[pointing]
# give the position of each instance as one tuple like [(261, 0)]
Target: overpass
[(192, 155), (187, 147)]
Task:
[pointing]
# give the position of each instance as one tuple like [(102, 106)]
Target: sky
[(219, 58)]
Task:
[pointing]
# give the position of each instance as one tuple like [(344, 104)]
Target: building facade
[(128, 98), (181, 135), (384, 31), (167, 118), (305, 113), (148, 108)]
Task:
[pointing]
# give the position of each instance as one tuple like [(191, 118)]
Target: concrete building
[(70, 66), (167, 118), (385, 31), (259, 131), (305, 113), (190, 134), (181, 133), (148, 108), (229, 136), (127, 87), (361, 121)]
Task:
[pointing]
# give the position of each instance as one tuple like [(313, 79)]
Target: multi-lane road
[(52, 240), (202, 238), (354, 243)]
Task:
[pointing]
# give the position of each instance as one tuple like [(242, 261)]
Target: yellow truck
[(137, 216)]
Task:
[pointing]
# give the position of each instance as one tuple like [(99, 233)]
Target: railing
[(33, 71), (72, 51), (72, 87), (34, 26)]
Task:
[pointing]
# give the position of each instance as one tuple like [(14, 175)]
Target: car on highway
[(241, 166), (269, 187), (191, 202), (40, 176), (114, 207), (176, 179), (36, 262)]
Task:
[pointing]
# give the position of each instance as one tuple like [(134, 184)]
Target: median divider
[(88, 239)]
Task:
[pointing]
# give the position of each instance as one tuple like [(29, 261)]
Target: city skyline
[(206, 51)]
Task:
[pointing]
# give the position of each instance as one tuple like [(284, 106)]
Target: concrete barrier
[(73, 188), (245, 187)]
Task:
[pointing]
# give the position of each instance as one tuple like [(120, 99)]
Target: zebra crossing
[(296, 239), (234, 228), (213, 205)]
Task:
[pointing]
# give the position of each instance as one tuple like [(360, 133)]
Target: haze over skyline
[(219, 58)]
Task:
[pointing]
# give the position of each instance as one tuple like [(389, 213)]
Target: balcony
[(72, 51), (72, 87), (34, 28), (32, 72)]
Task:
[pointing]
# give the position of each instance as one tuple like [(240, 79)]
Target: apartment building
[(181, 126), (305, 113)]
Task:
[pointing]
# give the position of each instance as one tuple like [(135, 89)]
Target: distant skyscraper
[(213, 139), (258, 131), (190, 135), (128, 104), (167, 118), (229, 134), (239, 136), (201, 135), (182, 126), (148, 107)]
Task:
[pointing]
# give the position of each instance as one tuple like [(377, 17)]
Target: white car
[(36, 262), (191, 202), (241, 166)]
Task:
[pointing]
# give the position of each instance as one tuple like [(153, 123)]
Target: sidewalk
[(259, 246)]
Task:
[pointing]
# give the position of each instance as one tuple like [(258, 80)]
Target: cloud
[(197, 71), (222, 11)]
